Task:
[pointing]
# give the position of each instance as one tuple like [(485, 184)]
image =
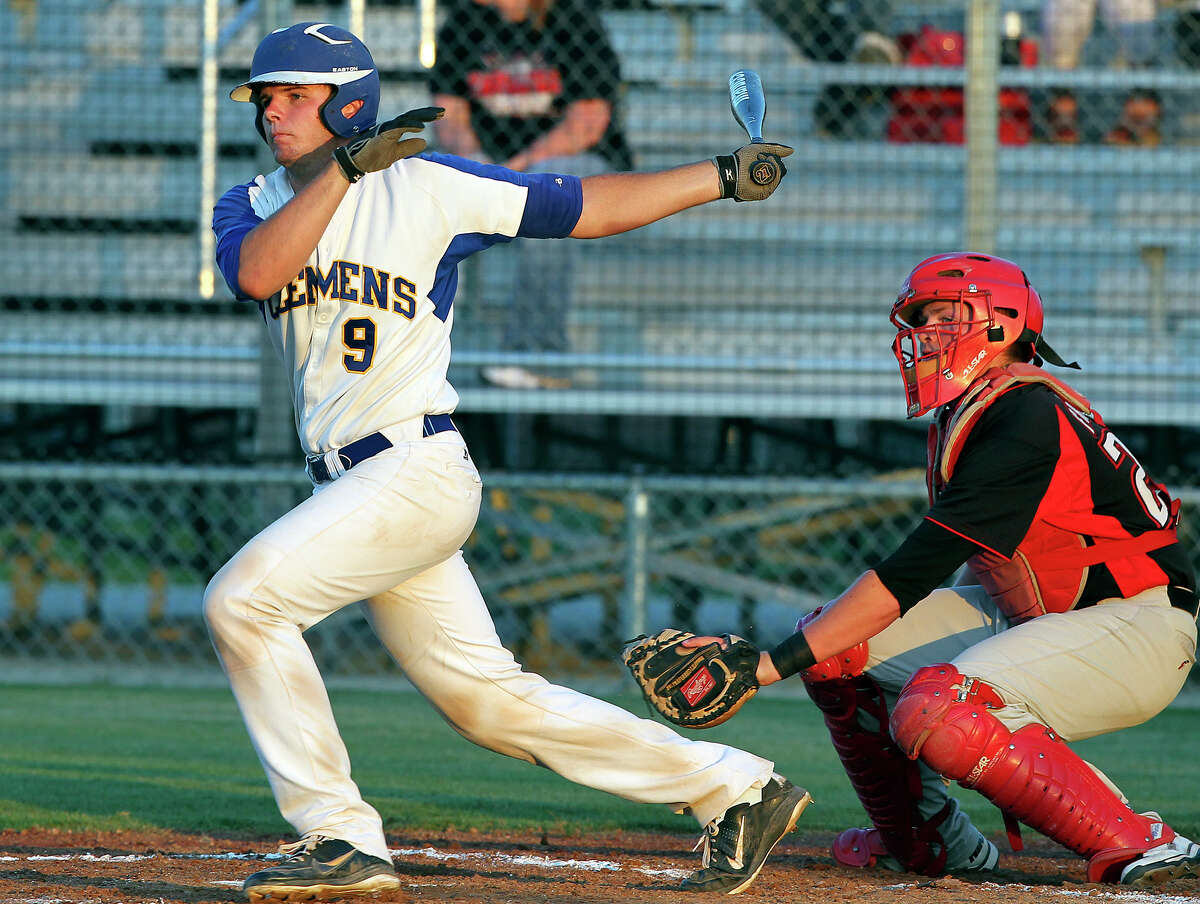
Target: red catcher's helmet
[(995, 308)]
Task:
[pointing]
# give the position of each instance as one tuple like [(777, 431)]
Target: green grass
[(102, 758)]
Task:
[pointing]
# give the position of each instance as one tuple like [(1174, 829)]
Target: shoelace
[(720, 836), (306, 845)]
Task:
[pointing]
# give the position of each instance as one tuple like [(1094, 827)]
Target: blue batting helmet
[(317, 53)]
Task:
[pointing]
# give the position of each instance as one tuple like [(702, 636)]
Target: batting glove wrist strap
[(342, 157), (727, 170), (385, 144)]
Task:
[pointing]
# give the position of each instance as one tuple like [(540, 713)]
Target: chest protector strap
[(1048, 570)]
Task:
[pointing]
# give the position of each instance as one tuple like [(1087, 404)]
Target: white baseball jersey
[(364, 328)]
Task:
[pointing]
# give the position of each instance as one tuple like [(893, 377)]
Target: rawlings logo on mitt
[(696, 687)]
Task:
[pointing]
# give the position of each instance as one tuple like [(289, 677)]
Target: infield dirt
[(42, 867)]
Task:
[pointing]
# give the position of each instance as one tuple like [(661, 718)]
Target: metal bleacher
[(773, 309)]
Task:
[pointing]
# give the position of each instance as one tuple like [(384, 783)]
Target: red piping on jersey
[(965, 537)]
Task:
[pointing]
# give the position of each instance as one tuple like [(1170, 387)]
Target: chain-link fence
[(1059, 135), (108, 565)]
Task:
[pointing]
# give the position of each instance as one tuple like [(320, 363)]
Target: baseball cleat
[(321, 869), (1178, 857), (737, 843), (863, 848)]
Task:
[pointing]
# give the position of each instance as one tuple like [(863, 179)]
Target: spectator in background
[(1067, 24), (841, 31), (1187, 34), (532, 85), (26, 11)]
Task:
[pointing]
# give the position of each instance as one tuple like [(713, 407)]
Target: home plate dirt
[(41, 867)]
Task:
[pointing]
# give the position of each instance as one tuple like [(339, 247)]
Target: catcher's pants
[(388, 532), (1082, 673)]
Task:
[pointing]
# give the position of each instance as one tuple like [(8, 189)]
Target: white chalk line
[(1092, 895), (546, 862), (530, 860)]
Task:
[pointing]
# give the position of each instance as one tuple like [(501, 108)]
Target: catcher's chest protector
[(1049, 568)]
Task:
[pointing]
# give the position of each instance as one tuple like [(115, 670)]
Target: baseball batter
[(1076, 614), (350, 249)]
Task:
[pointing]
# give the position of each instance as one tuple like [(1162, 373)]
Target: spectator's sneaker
[(319, 869), (1178, 857), (522, 378), (875, 49), (737, 843)]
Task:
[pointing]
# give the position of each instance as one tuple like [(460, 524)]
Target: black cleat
[(320, 869), (737, 843)]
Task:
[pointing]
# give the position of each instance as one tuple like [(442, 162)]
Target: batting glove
[(753, 172), (382, 146)]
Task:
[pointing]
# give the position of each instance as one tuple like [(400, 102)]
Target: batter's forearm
[(617, 202), (274, 251)]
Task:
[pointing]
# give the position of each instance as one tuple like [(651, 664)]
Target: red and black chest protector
[(1049, 568)]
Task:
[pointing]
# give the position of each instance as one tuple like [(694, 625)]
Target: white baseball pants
[(389, 531)]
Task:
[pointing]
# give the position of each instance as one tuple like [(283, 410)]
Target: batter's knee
[(233, 600), (945, 718)]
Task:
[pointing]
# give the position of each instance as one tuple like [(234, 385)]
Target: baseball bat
[(748, 102)]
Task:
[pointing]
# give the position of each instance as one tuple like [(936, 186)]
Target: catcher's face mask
[(943, 348), (955, 314)]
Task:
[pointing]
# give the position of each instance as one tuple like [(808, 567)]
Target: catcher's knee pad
[(937, 718), (888, 784), (946, 718)]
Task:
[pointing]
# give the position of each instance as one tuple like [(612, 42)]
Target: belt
[(362, 449)]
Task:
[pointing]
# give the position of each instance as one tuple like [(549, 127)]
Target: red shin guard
[(945, 718), (887, 783)]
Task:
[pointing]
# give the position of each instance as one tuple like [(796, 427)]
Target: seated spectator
[(1067, 24), (532, 85), (855, 31)]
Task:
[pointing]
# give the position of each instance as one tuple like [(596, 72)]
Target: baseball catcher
[(693, 686), (1072, 611)]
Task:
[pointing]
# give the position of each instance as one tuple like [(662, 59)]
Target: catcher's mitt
[(696, 687)]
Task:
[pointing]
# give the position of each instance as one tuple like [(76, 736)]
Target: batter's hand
[(383, 145), (753, 172)]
